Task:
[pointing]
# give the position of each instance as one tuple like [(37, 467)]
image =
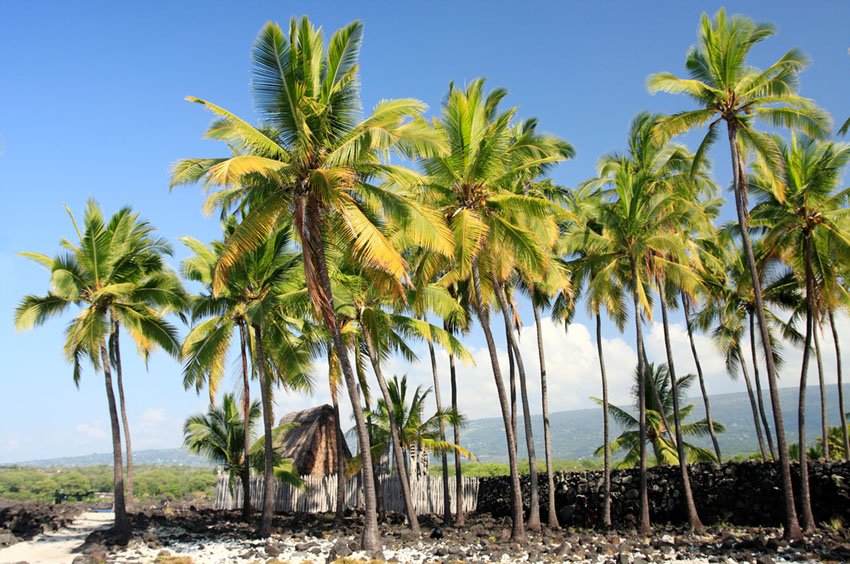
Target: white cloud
[(12, 444), (92, 431), (572, 368)]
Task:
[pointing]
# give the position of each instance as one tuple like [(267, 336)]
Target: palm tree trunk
[(687, 310), (122, 522), (693, 517), (412, 520), (265, 529), (341, 478), (753, 405), (512, 379), (119, 374), (822, 386), (808, 520), (534, 505), (460, 518), (644, 525), (333, 375), (518, 527), (842, 416), (370, 539), (447, 500), (606, 457), (246, 408), (762, 410), (552, 519), (792, 525)]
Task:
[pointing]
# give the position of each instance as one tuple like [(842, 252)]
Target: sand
[(56, 547)]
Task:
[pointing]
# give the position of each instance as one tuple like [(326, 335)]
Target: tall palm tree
[(156, 286), (602, 291), (205, 346), (541, 287), (665, 451), (729, 91), (635, 234), (249, 302), (315, 161), (493, 228), (802, 212), (98, 276)]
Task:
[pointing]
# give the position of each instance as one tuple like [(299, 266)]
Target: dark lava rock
[(340, 550), (272, 551), (7, 538)]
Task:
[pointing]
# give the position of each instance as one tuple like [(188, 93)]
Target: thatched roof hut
[(312, 443)]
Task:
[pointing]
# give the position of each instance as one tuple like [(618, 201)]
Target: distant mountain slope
[(575, 434), (153, 457)]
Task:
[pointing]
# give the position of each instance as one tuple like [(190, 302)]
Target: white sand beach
[(55, 547)]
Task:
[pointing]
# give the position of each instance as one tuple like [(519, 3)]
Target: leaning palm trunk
[(547, 433), (518, 527), (511, 377), (398, 455), (644, 525), (268, 446), (606, 458), (822, 387), (447, 500), (115, 345), (333, 375), (459, 516), (693, 517), (246, 427), (792, 525), (753, 406), (315, 253), (842, 416), (762, 411), (341, 477), (808, 520), (122, 523), (689, 326), (534, 505)]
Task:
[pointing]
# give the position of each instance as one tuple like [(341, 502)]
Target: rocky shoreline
[(24, 520), (207, 536)]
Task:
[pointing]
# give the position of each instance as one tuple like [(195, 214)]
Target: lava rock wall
[(743, 493)]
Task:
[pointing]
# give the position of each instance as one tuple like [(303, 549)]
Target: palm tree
[(802, 213), (666, 451), (249, 302), (99, 276), (635, 233), (416, 431), (541, 286), (727, 90), (315, 161), (157, 287), (219, 436), (472, 186), (205, 347), (602, 291)]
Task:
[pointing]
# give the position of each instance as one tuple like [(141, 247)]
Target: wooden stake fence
[(319, 494)]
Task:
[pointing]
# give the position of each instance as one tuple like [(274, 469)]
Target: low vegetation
[(154, 484)]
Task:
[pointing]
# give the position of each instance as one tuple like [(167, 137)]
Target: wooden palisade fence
[(318, 495)]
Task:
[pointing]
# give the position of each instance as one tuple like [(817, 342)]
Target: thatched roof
[(312, 443)]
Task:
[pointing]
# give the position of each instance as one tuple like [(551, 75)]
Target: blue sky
[(91, 105)]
